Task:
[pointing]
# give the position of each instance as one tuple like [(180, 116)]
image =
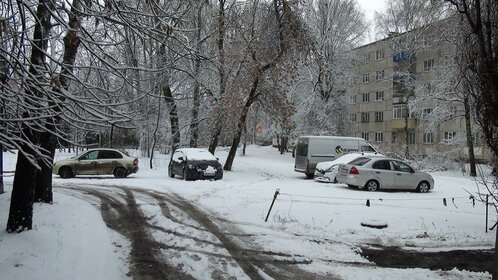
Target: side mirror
[(180, 158)]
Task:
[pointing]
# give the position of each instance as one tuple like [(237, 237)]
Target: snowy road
[(171, 238), (162, 246)]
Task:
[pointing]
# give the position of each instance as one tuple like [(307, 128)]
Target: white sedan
[(374, 173), (326, 171)]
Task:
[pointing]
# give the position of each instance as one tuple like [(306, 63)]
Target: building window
[(399, 111), (366, 77), (365, 117), (352, 98), (411, 137), (428, 138), (476, 138), (352, 80), (379, 95), (449, 135), (366, 97), (366, 57), (364, 135), (426, 41), (379, 75), (379, 116), (428, 65), (428, 88), (379, 136), (453, 111), (353, 118), (379, 54), (426, 113)]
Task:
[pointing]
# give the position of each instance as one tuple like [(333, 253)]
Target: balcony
[(399, 124), (399, 99)]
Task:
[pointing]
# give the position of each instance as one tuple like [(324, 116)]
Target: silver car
[(374, 173)]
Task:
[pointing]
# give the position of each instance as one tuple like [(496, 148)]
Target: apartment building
[(390, 75)]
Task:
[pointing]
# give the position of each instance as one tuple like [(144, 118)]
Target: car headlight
[(330, 168)]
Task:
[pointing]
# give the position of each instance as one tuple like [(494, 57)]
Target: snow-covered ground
[(70, 240)]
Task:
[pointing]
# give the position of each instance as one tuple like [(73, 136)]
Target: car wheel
[(170, 172), (66, 172), (120, 172), (423, 187), (372, 186)]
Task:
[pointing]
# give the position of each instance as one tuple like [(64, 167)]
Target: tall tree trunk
[(43, 184), (470, 141), (216, 134), (173, 116), (240, 126), (4, 70), (154, 135), (21, 204), (194, 124), (218, 125)]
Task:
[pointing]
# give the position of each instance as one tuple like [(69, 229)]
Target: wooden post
[(277, 192), (487, 197)]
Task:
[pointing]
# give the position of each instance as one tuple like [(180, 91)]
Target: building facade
[(404, 97)]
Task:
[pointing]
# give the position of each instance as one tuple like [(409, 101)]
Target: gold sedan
[(97, 162)]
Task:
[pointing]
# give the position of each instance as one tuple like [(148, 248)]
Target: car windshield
[(360, 161), (198, 154), (124, 152), (368, 149)]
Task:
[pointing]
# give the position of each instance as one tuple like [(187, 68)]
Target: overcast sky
[(369, 8)]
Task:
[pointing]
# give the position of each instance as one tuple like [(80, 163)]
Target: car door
[(382, 170), (404, 177), (107, 161), (87, 163), (177, 163)]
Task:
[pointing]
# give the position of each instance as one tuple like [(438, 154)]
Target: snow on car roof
[(197, 154), (344, 160)]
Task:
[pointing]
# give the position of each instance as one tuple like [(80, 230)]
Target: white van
[(311, 150)]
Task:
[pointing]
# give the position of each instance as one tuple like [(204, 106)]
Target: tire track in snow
[(121, 212)]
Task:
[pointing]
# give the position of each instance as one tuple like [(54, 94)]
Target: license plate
[(210, 171)]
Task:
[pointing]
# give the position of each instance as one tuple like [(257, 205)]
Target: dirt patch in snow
[(471, 260)]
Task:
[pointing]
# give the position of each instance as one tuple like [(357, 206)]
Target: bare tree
[(222, 80), (480, 19), (21, 207), (335, 28), (274, 23), (447, 96), (78, 84), (408, 24)]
